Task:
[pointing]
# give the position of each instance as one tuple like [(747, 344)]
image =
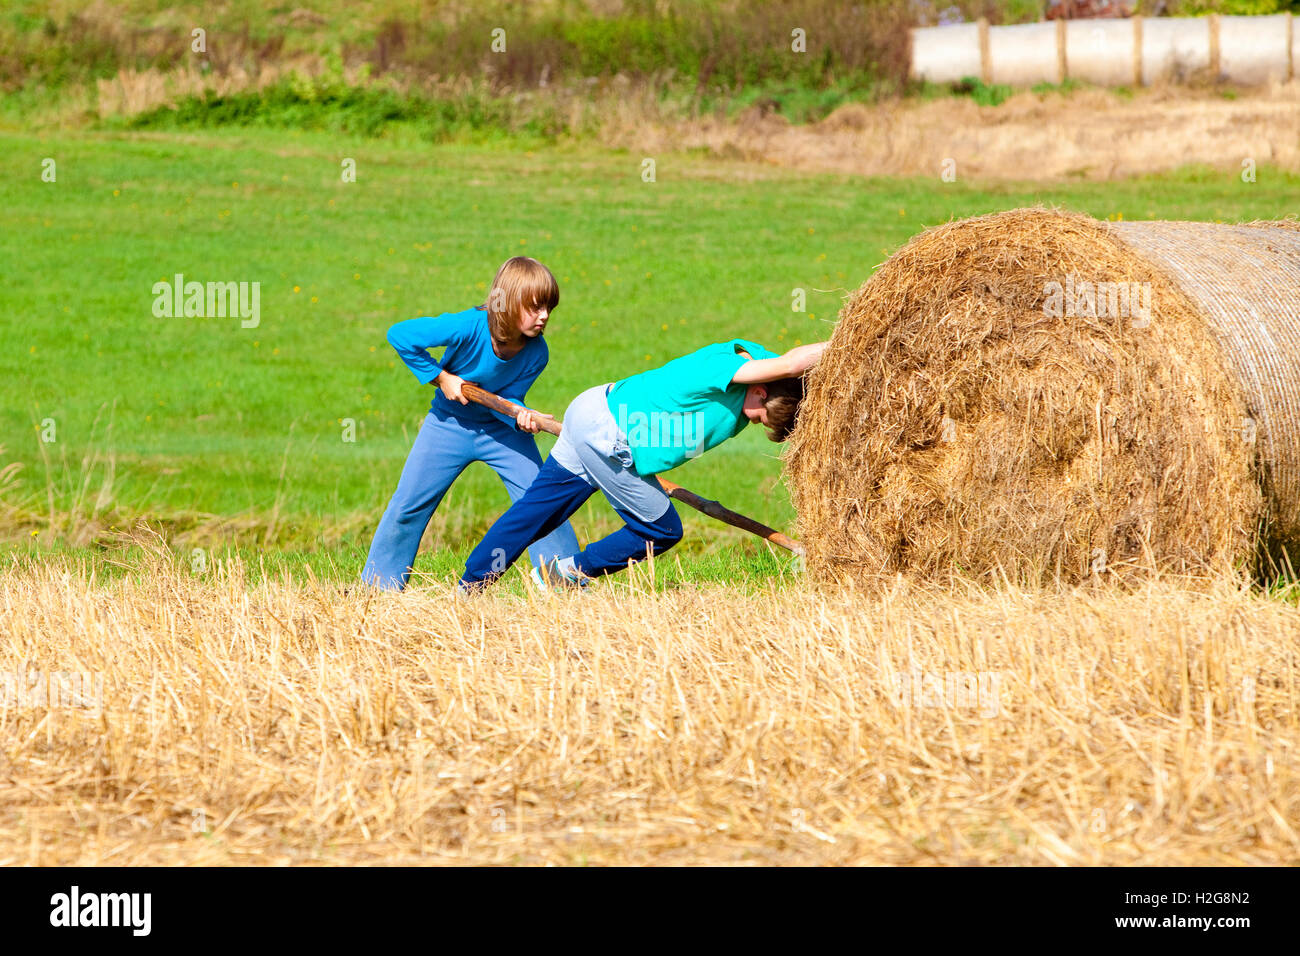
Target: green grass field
[(233, 436)]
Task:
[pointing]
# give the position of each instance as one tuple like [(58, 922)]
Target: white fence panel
[(1253, 50), (1174, 48), (1024, 54)]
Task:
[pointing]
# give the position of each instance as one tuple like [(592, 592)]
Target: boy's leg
[(603, 457), (440, 453), (554, 494), (513, 455), (629, 543)]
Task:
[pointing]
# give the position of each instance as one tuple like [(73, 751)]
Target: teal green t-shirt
[(679, 411)]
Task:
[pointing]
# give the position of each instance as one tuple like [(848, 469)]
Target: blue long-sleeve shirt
[(468, 355)]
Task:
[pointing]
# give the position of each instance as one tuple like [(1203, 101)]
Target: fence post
[(1214, 46), (1062, 59), (1137, 51), (986, 58), (1290, 46)]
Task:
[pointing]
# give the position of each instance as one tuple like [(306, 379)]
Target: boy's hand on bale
[(804, 357), (531, 422), (450, 385)]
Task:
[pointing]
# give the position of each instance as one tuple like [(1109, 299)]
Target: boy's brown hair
[(784, 397), (519, 282)]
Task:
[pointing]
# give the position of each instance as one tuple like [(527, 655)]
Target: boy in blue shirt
[(498, 346), (617, 437)]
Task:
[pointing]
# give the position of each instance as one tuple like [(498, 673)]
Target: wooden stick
[(715, 510), (704, 505), (504, 406)]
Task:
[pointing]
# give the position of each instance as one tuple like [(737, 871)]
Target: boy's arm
[(412, 338), (794, 362)]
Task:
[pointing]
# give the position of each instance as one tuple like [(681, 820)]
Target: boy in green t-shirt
[(617, 437)]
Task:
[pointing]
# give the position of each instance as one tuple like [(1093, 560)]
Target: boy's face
[(533, 318), (755, 410)]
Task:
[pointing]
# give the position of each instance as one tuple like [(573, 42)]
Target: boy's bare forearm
[(804, 357), (797, 361), (793, 363)]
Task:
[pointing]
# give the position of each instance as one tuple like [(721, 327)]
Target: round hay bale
[(1044, 396)]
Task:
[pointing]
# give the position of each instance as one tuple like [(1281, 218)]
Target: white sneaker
[(549, 577)]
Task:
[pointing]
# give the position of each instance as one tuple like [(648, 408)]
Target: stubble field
[(291, 723)]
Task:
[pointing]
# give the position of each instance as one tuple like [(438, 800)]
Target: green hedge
[(715, 46), (730, 44)]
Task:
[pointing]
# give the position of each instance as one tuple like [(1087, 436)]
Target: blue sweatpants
[(555, 494), (444, 448)]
